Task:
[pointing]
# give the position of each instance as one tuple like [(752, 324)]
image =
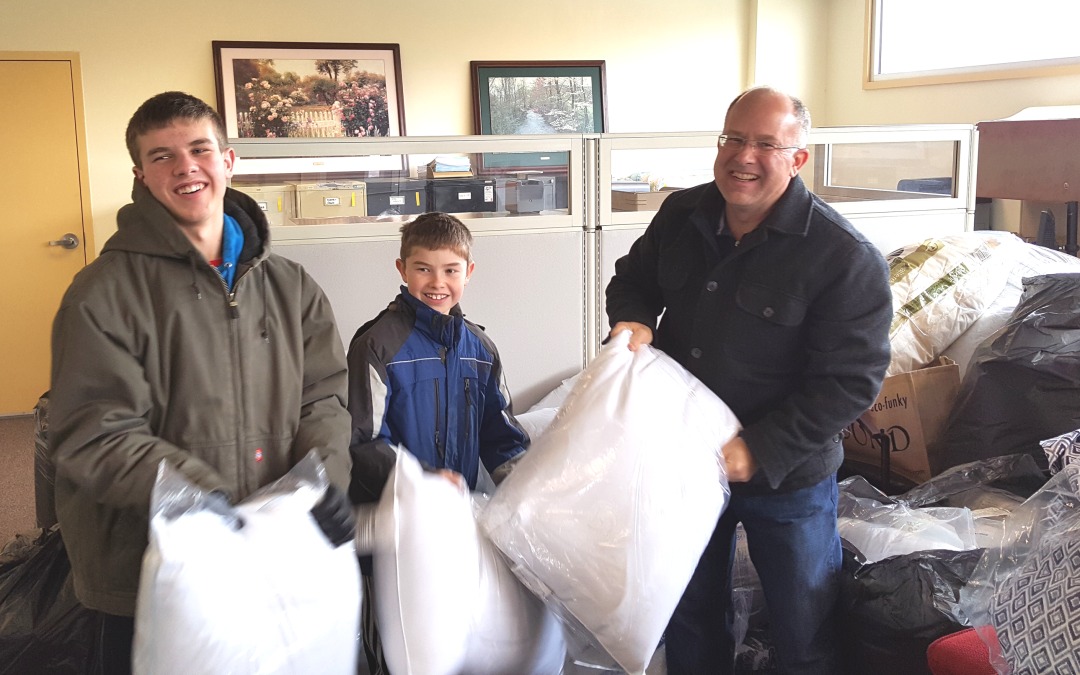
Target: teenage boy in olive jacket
[(186, 340)]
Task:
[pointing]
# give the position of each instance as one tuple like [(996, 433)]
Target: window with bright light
[(959, 40)]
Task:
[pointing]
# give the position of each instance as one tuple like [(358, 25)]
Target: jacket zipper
[(438, 414), (230, 296), (468, 415), (439, 410), (233, 310)]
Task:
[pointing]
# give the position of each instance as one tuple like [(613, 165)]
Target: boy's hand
[(454, 477), (640, 334)]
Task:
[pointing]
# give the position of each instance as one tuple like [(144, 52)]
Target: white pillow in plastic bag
[(897, 530), (270, 597), (940, 287), (1029, 260), (536, 421), (539, 417), (554, 398), (445, 599), (607, 514)]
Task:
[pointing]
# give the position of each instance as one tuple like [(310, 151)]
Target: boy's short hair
[(436, 231), (159, 111)]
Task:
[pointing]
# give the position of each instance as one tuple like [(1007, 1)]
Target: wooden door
[(45, 200)]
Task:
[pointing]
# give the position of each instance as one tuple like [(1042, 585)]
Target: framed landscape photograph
[(309, 89), (537, 97)]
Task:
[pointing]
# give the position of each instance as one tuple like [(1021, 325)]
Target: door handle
[(68, 241)]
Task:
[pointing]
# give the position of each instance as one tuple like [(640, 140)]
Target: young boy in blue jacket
[(423, 377)]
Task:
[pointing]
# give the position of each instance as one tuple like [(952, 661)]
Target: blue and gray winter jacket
[(433, 384)]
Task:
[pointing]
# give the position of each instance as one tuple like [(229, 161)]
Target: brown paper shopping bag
[(907, 417)]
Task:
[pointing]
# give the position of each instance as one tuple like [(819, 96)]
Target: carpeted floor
[(17, 512)]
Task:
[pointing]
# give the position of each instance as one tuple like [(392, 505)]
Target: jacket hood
[(146, 226)]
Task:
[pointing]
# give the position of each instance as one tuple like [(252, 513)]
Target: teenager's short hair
[(160, 111), (436, 231)]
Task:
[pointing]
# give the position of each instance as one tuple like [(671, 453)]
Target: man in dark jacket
[(187, 341), (782, 308)]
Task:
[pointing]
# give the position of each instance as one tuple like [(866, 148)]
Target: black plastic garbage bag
[(1023, 384), (43, 627), (44, 469), (976, 484), (891, 610)]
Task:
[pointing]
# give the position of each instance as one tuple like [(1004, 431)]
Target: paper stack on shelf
[(448, 166)]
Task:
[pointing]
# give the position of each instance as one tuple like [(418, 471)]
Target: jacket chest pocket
[(463, 434), (770, 305), (682, 263), (680, 280), (470, 393), (767, 329)]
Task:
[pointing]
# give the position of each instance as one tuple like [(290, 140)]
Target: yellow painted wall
[(847, 103), (669, 67), (787, 51)]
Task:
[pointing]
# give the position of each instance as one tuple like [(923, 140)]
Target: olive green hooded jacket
[(154, 359)]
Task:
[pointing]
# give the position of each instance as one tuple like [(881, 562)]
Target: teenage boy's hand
[(219, 503), (334, 515)]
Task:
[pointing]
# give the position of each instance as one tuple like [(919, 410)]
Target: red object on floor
[(960, 653)]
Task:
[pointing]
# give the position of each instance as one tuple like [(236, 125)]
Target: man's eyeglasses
[(761, 147)]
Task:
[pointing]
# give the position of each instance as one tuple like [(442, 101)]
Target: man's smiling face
[(750, 179)]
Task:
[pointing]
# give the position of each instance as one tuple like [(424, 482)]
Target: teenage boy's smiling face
[(186, 170), (436, 278)]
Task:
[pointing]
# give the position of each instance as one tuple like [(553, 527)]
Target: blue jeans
[(795, 548)]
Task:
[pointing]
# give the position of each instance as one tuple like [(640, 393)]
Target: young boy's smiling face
[(436, 277)]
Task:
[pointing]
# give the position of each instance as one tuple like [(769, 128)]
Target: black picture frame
[(325, 90), (527, 97)]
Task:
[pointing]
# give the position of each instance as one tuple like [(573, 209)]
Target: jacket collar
[(441, 328), (252, 221), (790, 215)]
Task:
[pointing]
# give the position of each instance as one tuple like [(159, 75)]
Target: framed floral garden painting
[(309, 89)]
